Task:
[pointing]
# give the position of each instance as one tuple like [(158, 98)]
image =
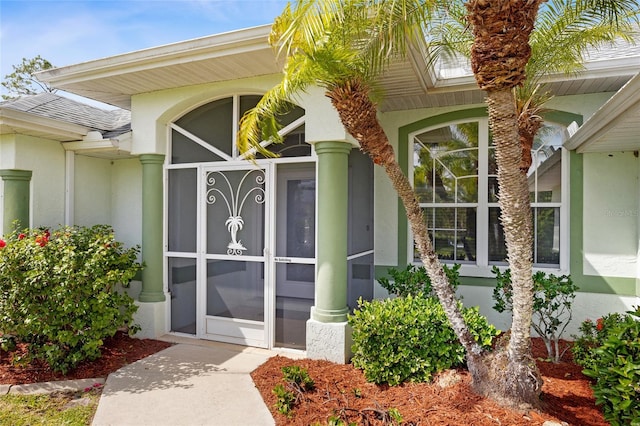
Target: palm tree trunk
[(522, 382), (358, 114)]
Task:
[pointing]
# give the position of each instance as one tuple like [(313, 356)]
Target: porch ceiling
[(409, 83), (615, 126)]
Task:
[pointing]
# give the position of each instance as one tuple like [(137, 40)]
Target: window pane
[(182, 286), (213, 123), (547, 221), (235, 289), (446, 164), (492, 181), (545, 173), (453, 233), (182, 212), (235, 212), (184, 150), (497, 247)]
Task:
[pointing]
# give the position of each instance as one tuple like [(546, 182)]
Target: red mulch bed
[(566, 397), (117, 352), (566, 394)]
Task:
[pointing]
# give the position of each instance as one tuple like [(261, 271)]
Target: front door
[(233, 273)]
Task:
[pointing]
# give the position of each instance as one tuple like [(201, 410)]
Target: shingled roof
[(109, 123)]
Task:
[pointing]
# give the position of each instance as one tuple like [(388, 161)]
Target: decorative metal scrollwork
[(235, 222)]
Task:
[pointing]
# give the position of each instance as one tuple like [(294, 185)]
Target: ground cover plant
[(60, 408), (552, 299), (610, 353), (60, 293)]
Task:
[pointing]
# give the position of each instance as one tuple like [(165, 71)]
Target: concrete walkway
[(192, 383)]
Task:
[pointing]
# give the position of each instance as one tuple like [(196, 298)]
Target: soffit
[(615, 126), (409, 83), (221, 57)]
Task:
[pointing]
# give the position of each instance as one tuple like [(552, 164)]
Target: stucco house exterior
[(275, 253)]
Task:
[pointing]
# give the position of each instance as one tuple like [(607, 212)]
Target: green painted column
[(16, 198), (152, 206), (331, 282)]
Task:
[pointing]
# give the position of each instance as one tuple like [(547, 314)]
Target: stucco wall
[(610, 233), (46, 159), (126, 201), (92, 191)]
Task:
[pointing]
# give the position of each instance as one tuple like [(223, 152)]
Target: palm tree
[(342, 47), (564, 32), (318, 54)]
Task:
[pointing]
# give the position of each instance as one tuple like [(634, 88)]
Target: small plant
[(59, 292), (592, 336), (285, 400), (296, 382), (299, 377), (616, 369), (413, 280), (409, 338), (552, 299)]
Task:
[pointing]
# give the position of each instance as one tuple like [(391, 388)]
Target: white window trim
[(482, 268)]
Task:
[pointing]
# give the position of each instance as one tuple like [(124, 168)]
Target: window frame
[(482, 266)]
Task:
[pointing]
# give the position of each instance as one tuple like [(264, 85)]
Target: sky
[(74, 31)]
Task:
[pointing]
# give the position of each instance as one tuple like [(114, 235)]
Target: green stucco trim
[(16, 199), (331, 267), (588, 283), (152, 206)]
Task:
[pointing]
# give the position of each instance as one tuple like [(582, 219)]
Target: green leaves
[(22, 81), (414, 280), (409, 338), (552, 299), (614, 364), (59, 292)]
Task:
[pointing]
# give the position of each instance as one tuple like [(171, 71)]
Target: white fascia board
[(30, 122), (218, 45), (607, 115), (119, 144)]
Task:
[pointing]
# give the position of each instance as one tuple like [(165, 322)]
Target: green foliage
[(22, 81), (299, 376), (414, 280), (296, 382), (285, 400), (592, 336), (409, 338), (616, 369), (47, 409), (59, 292), (552, 299)]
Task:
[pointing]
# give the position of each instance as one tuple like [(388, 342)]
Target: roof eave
[(21, 121), (607, 116), (205, 47)]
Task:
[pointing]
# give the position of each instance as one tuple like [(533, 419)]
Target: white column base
[(151, 317), (329, 341)]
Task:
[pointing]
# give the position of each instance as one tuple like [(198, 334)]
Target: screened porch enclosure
[(241, 235)]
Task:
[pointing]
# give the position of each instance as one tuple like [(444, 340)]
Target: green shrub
[(413, 280), (552, 300), (58, 292), (409, 338), (616, 369), (592, 336)]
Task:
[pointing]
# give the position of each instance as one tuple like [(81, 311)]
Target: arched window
[(455, 175)]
